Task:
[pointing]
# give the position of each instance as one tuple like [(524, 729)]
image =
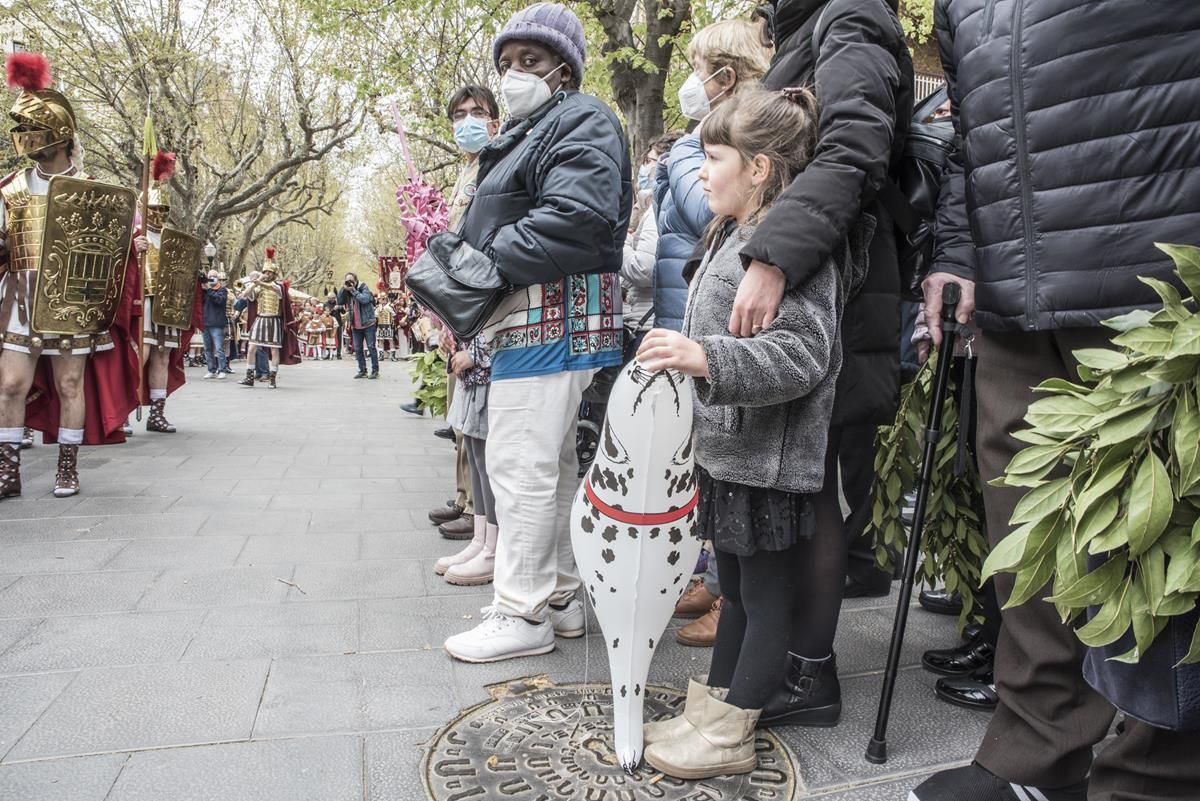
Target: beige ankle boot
[(481, 568), (661, 730), (466, 554), (719, 743)]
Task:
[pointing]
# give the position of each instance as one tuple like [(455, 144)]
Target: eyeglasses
[(477, 113)]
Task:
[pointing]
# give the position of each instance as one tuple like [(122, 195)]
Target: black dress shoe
[(940, 602), (414, 408), (971, 631), (361, 374), (810, 695), (973, 692), (868, 589), (445, 433), (961, 661)]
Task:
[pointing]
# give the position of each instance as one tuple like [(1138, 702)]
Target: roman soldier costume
[(68, 282), (269, 321), (170, 295)]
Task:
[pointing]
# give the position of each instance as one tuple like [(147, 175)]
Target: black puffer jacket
[(863, 79), (1081, 149), (554, 193)]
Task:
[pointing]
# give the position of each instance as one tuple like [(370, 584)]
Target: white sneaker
[(220, 376), (501, 637), (210, 375), (571, 622)]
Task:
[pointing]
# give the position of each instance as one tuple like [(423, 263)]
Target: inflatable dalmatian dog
[(632, 532)]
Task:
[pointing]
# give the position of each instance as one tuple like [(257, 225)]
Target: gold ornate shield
[(178, 260), (85, 249)]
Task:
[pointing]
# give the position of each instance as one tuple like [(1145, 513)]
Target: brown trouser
[(1049, 719)]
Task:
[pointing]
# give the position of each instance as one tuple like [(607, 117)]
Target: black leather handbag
[(458, 283)]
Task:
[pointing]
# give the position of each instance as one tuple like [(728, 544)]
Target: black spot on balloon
[(637, 690), (610, 534), (672, 558), (678, 579), (587, 525), (676, 536), (654, 532), (629, 473), (609, 556), (624, 692), (596, 474), (616, 642), (600, 576), (633, 532), (651, 643)]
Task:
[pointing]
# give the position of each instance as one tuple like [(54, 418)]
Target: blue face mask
[(645, 173), (471, 134)]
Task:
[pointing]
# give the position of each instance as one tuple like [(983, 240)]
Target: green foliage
[(916, 17), (1117, 527), (954, 543), (429, 376)]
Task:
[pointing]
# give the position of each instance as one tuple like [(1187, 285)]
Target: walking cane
[(877, 749)]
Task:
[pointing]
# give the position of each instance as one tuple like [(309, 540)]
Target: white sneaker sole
[(569, 634), (475, 660)]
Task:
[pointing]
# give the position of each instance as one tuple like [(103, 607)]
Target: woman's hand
[(461, 362), (759, 296), (141, 244), (671, 350)]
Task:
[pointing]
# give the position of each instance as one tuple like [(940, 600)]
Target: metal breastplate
[(150, 271), (26, 215), (268, 301)]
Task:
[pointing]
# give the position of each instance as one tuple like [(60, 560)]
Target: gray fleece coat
[(763, 418)]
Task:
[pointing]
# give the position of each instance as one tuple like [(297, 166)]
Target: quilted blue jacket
[(683, 214)]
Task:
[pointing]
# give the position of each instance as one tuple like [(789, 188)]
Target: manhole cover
[(541, 742)]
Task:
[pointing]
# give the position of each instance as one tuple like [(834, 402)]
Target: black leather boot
[(810, 695)]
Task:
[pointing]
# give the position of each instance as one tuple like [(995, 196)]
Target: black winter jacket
[(554, 193), (863, 80), (1080, 125)]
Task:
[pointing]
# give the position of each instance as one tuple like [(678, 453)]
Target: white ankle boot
[(662, 730), (468, 553), (720, 742), (480, 568)]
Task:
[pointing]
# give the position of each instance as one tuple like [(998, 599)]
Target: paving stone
[(363, 692), (136, 527), (864, 635), (335, 581), (223, 522), (882, 791), (121, 709), (36, 505), (86, 778), (363, 521), (174, 486), (273, 486), (309, 769), (123, 506), (242, 632), (393, 761), (228, 503), (13, 631), (368, 485), (418, 543), (344, 502), (221, 586), (50, 529), (22, 700), (404, 623), (58, 557), (190, 552), (126, 638), (581, 660), (300, 548), (74, 593)]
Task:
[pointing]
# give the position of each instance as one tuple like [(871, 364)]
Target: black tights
[(780, 601)]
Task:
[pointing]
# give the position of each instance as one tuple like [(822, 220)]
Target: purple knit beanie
[(551, 24)]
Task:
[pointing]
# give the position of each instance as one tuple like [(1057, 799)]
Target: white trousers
[(534, 469)]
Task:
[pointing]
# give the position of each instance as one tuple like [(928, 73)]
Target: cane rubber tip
[(877, 751)]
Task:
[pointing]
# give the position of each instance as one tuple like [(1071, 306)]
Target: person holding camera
[(359, 302), (216, 297)]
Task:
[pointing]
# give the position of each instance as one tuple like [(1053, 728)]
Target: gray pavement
[(246, 611)]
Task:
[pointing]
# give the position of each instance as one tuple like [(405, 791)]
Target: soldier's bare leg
[(16, 377), (68, 382), (251, 354), (158, 364)]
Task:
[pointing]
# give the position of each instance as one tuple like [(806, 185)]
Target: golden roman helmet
[(43, 117), (269, 266), (158, 207)]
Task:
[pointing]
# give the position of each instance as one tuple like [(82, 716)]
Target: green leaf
[(1041, 501), (1126, 426), (1007, 553), (1150, 340), (1172, 302), (1038, 560), (1185, 442), (1152, 576), (1131, 379), (1193, 654), (1150, 503), (1035, 438), (1060, 413), (1035, 460), (1187, 264), (1096, 521), (1183, 571), (1094, 587), (1186, 340), (1114, 537), (1102, 359), (1111, 622), (1060, 386), (1138, 318)]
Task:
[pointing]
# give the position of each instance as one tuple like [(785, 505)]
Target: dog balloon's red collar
[(634, 518)]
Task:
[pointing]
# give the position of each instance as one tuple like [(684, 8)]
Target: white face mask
[(693, 100), (524, 92)]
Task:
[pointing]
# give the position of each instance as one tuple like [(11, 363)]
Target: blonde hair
[(781, 125), (732, 43)]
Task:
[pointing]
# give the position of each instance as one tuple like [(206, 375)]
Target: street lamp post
[(210, 251)]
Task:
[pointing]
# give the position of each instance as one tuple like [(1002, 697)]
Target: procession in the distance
[(687, 401)]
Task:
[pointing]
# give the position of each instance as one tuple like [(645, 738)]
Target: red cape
[(290, 352), (110, 378), (176, 372)]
